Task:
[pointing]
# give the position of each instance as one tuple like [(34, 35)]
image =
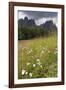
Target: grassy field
[(37, 58)]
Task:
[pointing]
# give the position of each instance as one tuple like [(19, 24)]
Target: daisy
[(42, 52), (48, 51), (41, 66), (43, 48), (39, 63), (23, 72), (26, 73), (30, 51), (34, 65), (38, 60), (30, 74), (28, 63)]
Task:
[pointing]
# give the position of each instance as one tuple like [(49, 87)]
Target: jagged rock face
[(26, 22), (49, 25)]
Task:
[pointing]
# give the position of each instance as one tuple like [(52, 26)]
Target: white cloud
[(43, 20)]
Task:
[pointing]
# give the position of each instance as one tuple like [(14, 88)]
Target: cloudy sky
[(39, 16)]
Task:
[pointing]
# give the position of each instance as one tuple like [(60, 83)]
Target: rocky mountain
[(48, 25), (26, 22)]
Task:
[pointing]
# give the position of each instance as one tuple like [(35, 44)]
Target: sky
[(40, 17)]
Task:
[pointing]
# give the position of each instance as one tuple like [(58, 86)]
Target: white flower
[(28, 63), (23, 72), (30, 74), (39, 63), (30, 51), (43, 48), (26, 73), (38, 60), (48, 51), (34, 65), (42, 51), (41, 66)]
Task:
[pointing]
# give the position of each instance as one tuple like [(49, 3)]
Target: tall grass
[(37, 58)]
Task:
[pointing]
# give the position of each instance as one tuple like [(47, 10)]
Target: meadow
[(37, 58)]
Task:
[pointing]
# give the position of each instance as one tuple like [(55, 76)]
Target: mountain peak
[(26, 22)]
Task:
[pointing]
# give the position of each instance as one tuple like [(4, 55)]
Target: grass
[(37, 58)]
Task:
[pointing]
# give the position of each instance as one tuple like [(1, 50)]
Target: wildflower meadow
[(37, 58)]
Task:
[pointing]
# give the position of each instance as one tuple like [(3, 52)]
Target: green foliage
[(25, 33)]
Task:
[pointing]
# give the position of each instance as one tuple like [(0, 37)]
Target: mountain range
[(48, 25)]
